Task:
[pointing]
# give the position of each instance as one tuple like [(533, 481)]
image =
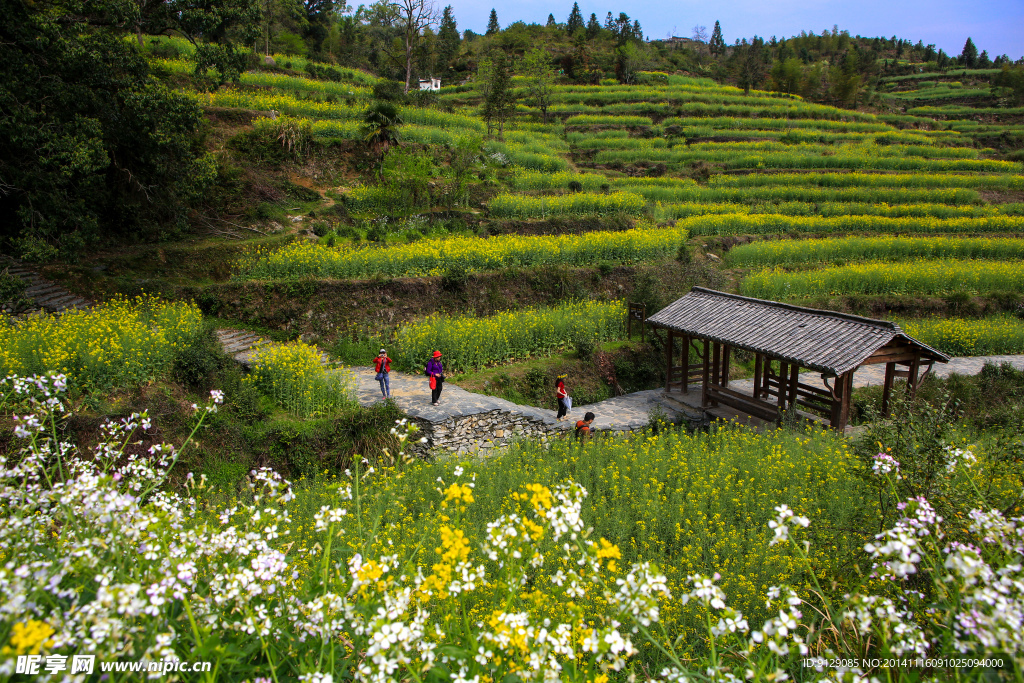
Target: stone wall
[(485, 431)]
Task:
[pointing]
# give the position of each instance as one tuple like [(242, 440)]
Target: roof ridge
[(803, 309)]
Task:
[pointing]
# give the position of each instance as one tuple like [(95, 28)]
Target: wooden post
[(707, 375), (915, 366), (686, 364), (841, 402), (716, 359), (783, 386), (668, 362), (757, 375), (725, 365), (794, 379), (890, 375)]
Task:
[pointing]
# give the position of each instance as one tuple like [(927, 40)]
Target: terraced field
[(878, 209)]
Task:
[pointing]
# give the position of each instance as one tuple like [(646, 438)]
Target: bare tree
[(415, 15), (700, 34)]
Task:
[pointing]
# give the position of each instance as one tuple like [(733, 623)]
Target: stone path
[(43, 293), (411, 394)]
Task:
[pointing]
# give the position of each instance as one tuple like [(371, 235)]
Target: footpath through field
[(622, 413)]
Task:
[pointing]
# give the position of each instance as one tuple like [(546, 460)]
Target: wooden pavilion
[(705, 326)]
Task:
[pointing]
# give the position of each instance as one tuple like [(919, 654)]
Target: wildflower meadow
[(520, 569)]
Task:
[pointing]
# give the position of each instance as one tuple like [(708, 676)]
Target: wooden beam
[(744, 403), (757, 376)]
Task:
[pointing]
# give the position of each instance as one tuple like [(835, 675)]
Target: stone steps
[(47, 295)]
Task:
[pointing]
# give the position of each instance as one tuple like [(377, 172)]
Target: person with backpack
[(435, 371), (382, 365), (563, 397), (583, 426)]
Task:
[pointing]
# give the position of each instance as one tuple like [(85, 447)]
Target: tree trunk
[(408, 62), (138, 33)]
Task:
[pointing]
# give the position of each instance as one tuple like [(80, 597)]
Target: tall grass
[(772, 253), (125, 342), (934, 277), (436, 256), (470, 343)]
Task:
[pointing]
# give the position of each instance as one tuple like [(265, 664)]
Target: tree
[(414, 17), (593, 27), (717, 44), (984, 62), (609, 22), (1009, 82), (630, 59), (749, 64), (551, 21), (541, 78), (500, 100), (575, 22), (214, 27), (447, 39), (492, 24), (380, 129), (92, 146), (969, 55)]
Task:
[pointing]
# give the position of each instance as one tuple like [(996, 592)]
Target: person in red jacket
[(382, 364), (561, 394)]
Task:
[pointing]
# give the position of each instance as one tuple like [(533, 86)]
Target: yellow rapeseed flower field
[(435, 256), (120, 343)]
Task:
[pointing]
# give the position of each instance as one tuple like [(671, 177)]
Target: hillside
[(281, 218)]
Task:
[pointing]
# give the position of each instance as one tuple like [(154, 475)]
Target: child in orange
[(583, 426)]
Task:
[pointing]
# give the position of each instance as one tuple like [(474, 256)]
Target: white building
[(432, 84)]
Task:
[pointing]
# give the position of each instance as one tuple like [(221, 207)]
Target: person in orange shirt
[(382, 364), (583, 426)]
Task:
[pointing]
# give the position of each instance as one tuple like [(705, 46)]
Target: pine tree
[(551, 22), (492, 24), (575, 22), (593, 26), (609, 22), (638, 33), (717, 44), (970, 54), (447, 39)]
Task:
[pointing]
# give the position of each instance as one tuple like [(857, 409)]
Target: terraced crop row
[(934, 277), (741, 224), (434, 257), (785, 252)]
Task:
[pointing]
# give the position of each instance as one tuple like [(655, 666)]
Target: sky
[(994, 25)]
